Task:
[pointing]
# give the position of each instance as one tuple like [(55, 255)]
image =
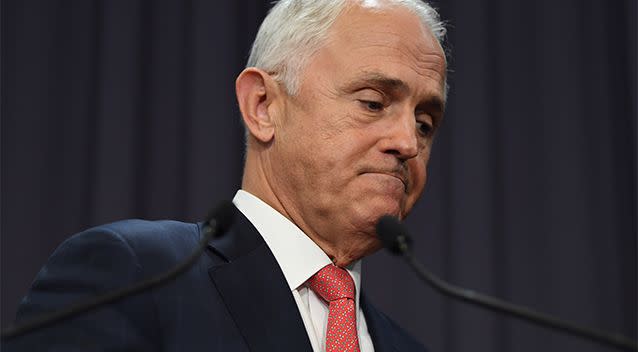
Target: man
[(340, 101)]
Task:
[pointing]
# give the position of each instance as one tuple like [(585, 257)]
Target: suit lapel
[(379, 327), (255, 291)]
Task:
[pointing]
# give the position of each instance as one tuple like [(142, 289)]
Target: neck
[(350, 245)]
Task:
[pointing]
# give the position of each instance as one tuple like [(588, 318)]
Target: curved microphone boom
[(395, 238), (217, 222)]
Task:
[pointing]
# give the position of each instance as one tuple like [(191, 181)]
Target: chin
[(389, 205), (369, 212), (371, 245), (366, 243)]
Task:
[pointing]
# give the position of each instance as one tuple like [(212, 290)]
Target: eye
[(371, 100), (424, 128), (371, 105)]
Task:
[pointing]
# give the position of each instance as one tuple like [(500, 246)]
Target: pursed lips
[(401, 175)]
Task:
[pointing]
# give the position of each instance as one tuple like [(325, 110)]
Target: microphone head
[(393, 235), (221, 216)]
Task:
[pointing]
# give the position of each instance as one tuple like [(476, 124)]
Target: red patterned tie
[(335, 286)]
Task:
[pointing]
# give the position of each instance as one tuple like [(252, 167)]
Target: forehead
[(388, 40)]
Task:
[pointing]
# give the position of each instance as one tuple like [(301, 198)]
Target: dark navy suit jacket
[(235, 297)]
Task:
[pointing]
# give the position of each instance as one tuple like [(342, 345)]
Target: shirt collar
[(297, 255)]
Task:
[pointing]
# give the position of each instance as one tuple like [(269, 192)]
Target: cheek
[(418, 177), (344, 146)]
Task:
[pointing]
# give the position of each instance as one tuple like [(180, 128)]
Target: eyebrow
[(380, 81)]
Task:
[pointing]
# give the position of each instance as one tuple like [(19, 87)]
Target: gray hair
[(294, 30)]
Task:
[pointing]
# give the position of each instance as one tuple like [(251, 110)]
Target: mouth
[(398, 175)]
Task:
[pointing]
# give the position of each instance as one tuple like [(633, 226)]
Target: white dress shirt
[(299, 258)]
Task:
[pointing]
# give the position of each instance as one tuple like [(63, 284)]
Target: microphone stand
[(521, 312), (397, 241)]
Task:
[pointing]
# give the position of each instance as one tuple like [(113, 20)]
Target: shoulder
[(139, 237), (132, 248), (135, 231), (107, 257), (99, 260)]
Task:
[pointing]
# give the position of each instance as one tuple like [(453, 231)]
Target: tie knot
[(332, 283)]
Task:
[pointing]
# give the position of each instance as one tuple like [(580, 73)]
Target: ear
[(256, 91)]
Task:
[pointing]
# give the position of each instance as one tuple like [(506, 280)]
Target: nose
[(400, 137)]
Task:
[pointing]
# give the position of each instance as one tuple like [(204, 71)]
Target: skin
[(353, 143)]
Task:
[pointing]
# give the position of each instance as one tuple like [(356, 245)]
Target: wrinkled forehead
[(383, 25), (386, 7), (393, 38), (390, 19)]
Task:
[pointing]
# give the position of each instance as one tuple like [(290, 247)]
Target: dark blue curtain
[(119, 109)]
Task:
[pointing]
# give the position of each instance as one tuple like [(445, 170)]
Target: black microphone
[(395, 238), (217, 222)]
